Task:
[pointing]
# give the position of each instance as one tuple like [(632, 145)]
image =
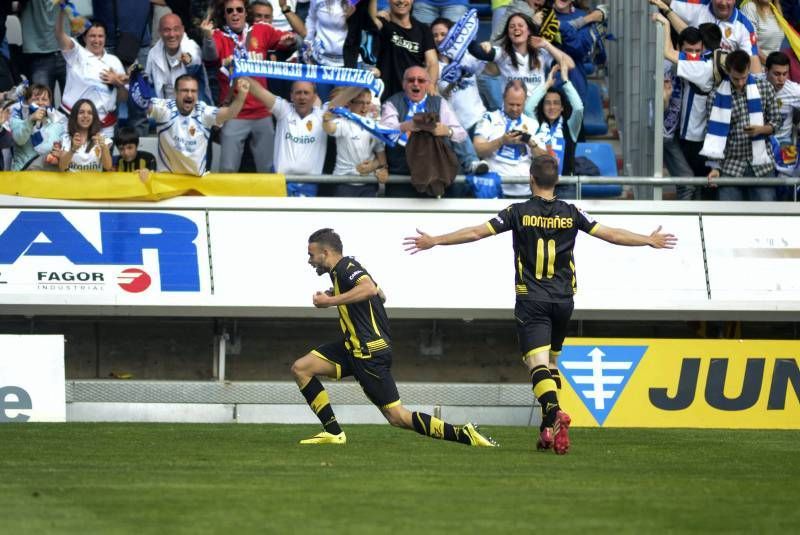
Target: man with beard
[(364, 352), (184, 125)]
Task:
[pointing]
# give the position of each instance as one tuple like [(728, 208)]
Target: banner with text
[(747, 384), (32, 379)]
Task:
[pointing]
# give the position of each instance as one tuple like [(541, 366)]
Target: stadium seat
[(602, 155), (594, 119)]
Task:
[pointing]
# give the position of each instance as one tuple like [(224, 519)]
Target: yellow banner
[(127, 186), (747, 384)]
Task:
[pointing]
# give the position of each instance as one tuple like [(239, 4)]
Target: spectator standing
[(84, 147), (357, 151), (523, 56), (742, 112), (92, 74), (172, 56), (326, 32), (578, 38), (184, 125), (37, 129), (505, 139), (301, 141), (787, 94), (398, 113), (738, 32), (404, 42), (43, 60), (219, 45)]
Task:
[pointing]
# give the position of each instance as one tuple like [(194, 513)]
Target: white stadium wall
[(247, 257)]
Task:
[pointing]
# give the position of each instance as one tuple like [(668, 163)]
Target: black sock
[(544, 388), (433, 427), (317, 398)]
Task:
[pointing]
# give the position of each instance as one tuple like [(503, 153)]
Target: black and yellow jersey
[(544, 234), (365, 324)]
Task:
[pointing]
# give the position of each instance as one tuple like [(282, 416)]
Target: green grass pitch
[(164, 478)]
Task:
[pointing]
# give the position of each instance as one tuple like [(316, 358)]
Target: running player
[(544, 231), (365, 352)]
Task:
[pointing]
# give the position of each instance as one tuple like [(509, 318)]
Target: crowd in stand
[(730, 107), (166, 68)]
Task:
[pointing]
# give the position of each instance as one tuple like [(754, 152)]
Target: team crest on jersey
[(728, 32), (254, 43), (96, 150), (598, 374), (309, 125), (780, 103), (192, 131)]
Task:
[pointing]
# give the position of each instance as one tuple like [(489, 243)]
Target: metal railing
[(656, 184)]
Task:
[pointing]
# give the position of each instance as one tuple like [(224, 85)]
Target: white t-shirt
[(353, 146), (738, 32), (326, 25), (465, 99), (82, 160), (694, 114), (788, 100), (531, 77), (509, 160), (83, 80), (182, 139), (300, 142)]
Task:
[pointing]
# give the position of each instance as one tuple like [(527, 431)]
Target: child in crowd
[(130, 157)]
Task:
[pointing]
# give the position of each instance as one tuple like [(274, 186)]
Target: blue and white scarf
[(320, 74), (455, 44), (139, 89), (389, 136), (413, 109), (719, 122), (551, 138)]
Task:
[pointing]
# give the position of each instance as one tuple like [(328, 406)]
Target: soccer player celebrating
[(544, 230), (365, 352)]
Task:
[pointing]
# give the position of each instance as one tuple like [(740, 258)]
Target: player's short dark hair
[(326, 237), (690, 35), (183, 77), (711, 34), (777, 58), (125, 136), (738, 61), (544, 171)]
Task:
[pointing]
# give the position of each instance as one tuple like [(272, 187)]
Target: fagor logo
[(598, 374), (123, 238), (134, 280)]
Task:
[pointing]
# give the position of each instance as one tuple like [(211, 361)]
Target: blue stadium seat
[(594, 119), (602, 155)]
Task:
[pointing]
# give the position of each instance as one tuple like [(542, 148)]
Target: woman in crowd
[(92, 73), (84, 147), (522, 56), (558, 113)]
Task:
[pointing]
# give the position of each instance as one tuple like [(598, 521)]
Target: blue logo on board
[(598, 374)]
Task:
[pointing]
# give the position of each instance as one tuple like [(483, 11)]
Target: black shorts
[(373, 373), (541, 326)]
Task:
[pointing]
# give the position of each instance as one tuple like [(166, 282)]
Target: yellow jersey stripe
[(491, 228)]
